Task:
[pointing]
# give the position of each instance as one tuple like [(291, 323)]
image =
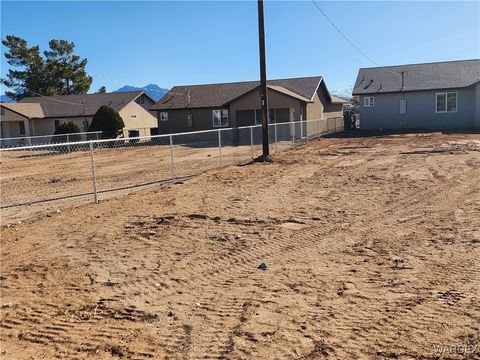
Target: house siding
[(142, 120), (421, 106), (9, 124), (477, 105), (178, 121), (276, 100)]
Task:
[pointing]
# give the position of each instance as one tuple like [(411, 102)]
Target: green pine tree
[(29, 70), (107, 120), (58, 72), (67, 70)]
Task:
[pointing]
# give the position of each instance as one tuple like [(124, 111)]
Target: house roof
[(217, 95), (26, 110), (428, 76), (338, 100), (81, 104)]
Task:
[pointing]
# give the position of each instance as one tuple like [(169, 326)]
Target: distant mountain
[(153, 90), (5, 98)]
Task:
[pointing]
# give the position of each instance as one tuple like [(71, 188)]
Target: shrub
[(108, 121), (67, 128)]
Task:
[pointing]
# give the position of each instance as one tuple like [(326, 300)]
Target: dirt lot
[(372, 246), (40, 175)]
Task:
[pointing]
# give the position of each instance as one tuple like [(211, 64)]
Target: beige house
[(203, 107), (40, 116)]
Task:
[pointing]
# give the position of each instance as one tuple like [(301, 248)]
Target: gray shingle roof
[(72, 105), (217, 95), (429, 76)]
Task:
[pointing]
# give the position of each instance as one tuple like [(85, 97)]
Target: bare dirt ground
[(372, 246)]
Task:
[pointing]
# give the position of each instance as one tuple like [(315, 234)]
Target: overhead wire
[(360, 51)]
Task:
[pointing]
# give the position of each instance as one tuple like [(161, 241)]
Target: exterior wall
[(147, 102), (177, 120), (385, 113), (276, 100), (333, 110), (289, 109), (477, 105), (136, 117), (9, 126), (42, 127), (315, 110)]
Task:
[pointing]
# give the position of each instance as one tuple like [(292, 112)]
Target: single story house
[(40, 116), (437, 95), (211, 106)]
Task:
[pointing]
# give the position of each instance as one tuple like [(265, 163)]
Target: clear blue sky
[(181, 42)]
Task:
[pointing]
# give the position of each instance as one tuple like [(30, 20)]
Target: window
[(258, 116), (56, 124), (141, 100), (2, 110), (85, 125), (164, 116), (133, 116), (446, 102), (21, 126), (220, 118), (368, 101)]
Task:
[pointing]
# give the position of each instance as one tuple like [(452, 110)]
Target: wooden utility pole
[(263, 81)]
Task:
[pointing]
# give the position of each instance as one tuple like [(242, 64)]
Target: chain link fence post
[(276, 138), (94, 175), (251, 141), (293, 134), (220, 145), (172, 157)]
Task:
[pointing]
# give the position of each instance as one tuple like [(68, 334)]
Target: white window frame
[(446, 102), (163, 116), (370, 102), (223, 112)]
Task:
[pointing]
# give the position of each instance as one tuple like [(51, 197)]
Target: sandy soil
[(38, 176), (372, 247)]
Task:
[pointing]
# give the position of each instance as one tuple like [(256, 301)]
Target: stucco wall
[(315, 109), (177, 120), (10, 126), (136, 117), (276, 100), (420, 113)]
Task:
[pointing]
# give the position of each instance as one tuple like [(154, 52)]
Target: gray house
[(438, 95)]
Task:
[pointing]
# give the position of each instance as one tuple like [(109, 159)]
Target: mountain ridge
[(153, 90)]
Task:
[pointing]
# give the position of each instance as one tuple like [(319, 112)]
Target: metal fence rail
[(35, 178), (22, 141)]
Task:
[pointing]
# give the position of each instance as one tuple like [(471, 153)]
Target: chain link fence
[(39, 179), (22, 141)]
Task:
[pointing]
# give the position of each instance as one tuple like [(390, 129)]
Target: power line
[(350, 41), (47, 97)]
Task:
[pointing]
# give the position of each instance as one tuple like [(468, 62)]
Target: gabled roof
[(81, 104), (429, 76), (218, 95), (27, 110), (338, 100)]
